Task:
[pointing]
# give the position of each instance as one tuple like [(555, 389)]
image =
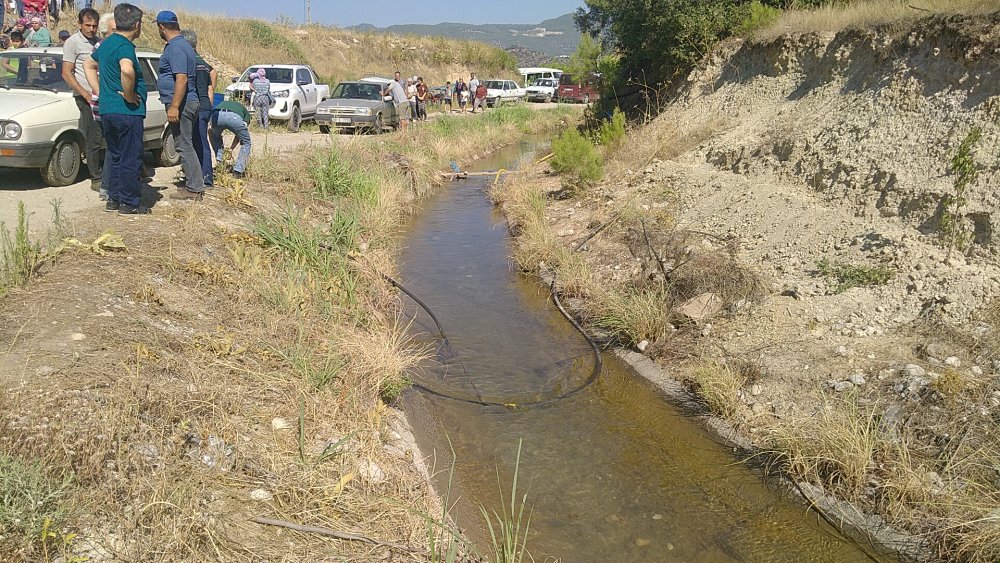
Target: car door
[(156, 112), (304, 79)]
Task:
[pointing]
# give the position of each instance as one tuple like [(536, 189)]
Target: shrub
[(576, 157), (31, 504), (757, 16), (612, 131), (847, 276), (335, 176)]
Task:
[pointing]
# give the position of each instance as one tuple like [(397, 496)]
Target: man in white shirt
[(78, 49), (473, 85)]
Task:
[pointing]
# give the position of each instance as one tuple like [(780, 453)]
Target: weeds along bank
[(227, 360), (804, 236)]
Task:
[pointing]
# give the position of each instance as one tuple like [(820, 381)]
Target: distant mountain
[(553, 38)]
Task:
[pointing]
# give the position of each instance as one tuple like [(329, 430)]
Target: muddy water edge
[(614, 473)]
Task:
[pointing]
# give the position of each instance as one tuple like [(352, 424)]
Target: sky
[(382, 13)]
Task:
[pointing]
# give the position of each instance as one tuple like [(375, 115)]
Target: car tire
[(64, 162), (548, 99), (167, 154), (379, 126), (324, 129), (295, 121), (586, 99)]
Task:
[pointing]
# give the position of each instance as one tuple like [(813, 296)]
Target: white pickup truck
[(503, 91), (295, 88)]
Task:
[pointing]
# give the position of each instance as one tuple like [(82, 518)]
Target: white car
[(295, 88), (502, 91), (542, 90), (40, 121)]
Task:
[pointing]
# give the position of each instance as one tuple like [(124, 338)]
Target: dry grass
[(719, 386), (838, 16)]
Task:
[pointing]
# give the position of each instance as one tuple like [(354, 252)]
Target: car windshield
[(544, 82), (358, 91), (275, 75), (32, 70), (494, 84)]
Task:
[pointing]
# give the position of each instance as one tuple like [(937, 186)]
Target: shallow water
[(614, 473)]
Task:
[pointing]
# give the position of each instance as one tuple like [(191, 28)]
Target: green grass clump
[(509, 527), (32, 506), (390, 389), (19, 258), (848, 276), (632, 314), (577, 158), (611, 132), (335, 176)]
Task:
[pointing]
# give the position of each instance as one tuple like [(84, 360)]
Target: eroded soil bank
[(778, 239)]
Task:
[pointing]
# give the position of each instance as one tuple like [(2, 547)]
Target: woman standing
[(422, 93), (262, 98)]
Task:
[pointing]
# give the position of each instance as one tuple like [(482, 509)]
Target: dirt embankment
[(779, 237)]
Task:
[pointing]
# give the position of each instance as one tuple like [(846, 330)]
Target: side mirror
[(303, 82), (236, 79), (386, 98)]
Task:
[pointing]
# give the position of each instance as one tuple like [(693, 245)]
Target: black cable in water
[(594, 374)]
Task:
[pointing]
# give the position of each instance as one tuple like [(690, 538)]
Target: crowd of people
[(101, 67), (412, 95)]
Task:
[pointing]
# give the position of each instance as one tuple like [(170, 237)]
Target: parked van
[(584, 91), (531, 74)]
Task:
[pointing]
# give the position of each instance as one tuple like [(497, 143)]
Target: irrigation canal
[(614, 473)]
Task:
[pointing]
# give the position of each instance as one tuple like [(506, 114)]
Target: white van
[(531, 74)]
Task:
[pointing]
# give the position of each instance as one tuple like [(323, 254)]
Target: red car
[(571, 90)]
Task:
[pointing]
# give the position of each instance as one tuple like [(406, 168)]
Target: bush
[(757, 16), (847, 276), (337, 177), (612, 131), (576, 157)]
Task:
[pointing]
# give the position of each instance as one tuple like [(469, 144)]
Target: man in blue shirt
[(178, 92), (115, 78)]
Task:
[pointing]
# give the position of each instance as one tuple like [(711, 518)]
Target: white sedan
[(40, 122)]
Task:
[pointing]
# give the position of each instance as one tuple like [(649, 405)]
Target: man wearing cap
[(76, 50), (114, 76), (178, 92), (205, 86)]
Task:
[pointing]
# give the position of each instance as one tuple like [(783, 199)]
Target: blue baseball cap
[(166, 16)]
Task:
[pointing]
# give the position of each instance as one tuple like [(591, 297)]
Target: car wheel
[(295, 122), (548, 99), (324, 129), (167, 154), (586, 99), (64, 163), (379, 126)]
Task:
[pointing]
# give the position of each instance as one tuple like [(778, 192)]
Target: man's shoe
[(112, 205), (95, 185), (238, 175), (136, 210), (182, 193)]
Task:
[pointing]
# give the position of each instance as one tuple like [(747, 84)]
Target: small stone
[(977, 371), (953, 362), (371, 472), (756, 389), (702, 307), (913, 370), (77, 336), (642, 345), (641, 542), (707, 330), (857, 379), (935, 351), (842, 386), (994, 402), (363, 247), (45, 371), (758, 408), (261, 495), (107, 314), (566, 232), (657, 517), (280, 424), (670, 547), (842, 351)]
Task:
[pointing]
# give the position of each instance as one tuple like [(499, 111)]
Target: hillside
[(553, 37), (336, 54)]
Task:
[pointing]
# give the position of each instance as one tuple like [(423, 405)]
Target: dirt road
[(39, 200)]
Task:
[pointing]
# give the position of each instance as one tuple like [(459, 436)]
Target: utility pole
[(308, 12)]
